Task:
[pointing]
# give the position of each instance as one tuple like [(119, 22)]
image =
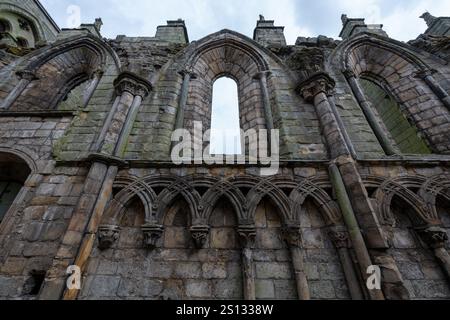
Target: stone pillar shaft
[(262, 77), (97, 76), (427, 76), (179, 122), (25, 79), (342, 243), (362, 254), (247, 235), (89, 237), (131, 118), (366, 107)]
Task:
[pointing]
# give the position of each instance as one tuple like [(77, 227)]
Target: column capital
[(98, 73), (188, 72), (318, 83), (349, 73), (247, 236), (262, 74), (133, 84), (434, 236)]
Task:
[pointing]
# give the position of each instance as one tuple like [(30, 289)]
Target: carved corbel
[(435, 236), (340, 238), (292, 236), (200, 235), (247, 236), (152, 233), (107, 236)]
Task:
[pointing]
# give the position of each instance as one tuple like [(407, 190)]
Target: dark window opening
[(33, 285), (8, 193), (5, 26), (22, 43)]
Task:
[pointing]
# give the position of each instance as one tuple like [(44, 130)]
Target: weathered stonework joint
[(133, 84), (107, 236), (318, 83), (27, 75), (200, 235), (152, 233)]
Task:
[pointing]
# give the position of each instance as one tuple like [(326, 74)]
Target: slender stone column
[(95, 80), (131, 89), (247, 237), (366, 106), (293, 239), (88, 241), (427, 76), (436, 237), (315, 89), (342, 243), (187, 76), (262, 77), (25, 78)]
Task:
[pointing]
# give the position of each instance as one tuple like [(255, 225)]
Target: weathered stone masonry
[(86, 177)]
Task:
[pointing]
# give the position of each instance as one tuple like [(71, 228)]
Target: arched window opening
[(225, 124), (22, 43), (76, 98), (403, 133), (13, 174), (5, 26)]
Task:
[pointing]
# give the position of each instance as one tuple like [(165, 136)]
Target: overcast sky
[(300, 17), (203, 17)]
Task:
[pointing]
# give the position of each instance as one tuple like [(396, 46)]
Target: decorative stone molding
[(247, 236), (340, 238), (133, 84), (27, 75), (422, 74), (429, 19), (107, 236), (318, 83), (98, 73), (152, 233), (435, 237), (200, 235), (106, 159), (292, 236), (188, 72)]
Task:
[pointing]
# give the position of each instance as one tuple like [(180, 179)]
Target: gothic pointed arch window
[(225, 124), (403, 134)]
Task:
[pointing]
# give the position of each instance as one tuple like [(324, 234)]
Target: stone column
[(427, 76), (436, 237), (344, 175), (95, 80), (131, 89), (341, 240), (293, 239), (262, 77), (366, 106), (247, 237), (25, 78), (187, 76)]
